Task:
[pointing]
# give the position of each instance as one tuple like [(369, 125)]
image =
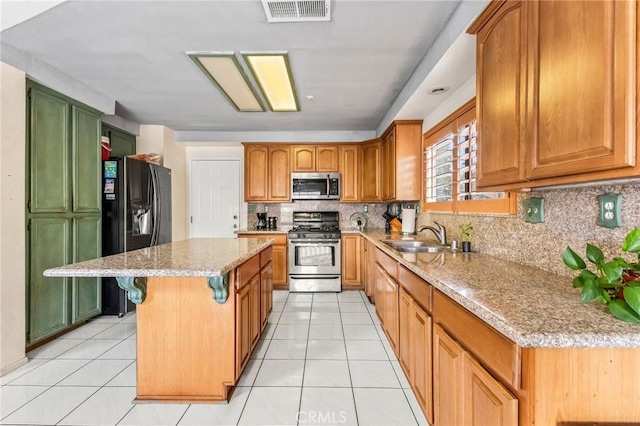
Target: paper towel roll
[(408, 220)]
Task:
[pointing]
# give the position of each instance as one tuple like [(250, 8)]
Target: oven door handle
[(314, 242), (315, 277)]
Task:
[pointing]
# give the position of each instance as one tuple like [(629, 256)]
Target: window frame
[(450, 125)]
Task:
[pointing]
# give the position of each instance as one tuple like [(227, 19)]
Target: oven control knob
[(300, 236)]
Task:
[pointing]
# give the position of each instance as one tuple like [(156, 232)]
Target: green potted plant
[(465, 236), (614, 282)]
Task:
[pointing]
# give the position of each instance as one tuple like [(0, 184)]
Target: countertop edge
[(69, 271)]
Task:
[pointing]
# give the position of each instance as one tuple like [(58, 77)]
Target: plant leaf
[(587, 274), (612, 270), (603, 282), (595, 255), (621, 310), (572, 259), (631, 242), (578, 282), (590, 291), (632, 297), (605, 296)]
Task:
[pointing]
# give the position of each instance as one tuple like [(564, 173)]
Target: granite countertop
[(532, 307), (279, 230), (196, 257)]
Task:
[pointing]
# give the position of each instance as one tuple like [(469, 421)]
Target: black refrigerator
[(136, 213)]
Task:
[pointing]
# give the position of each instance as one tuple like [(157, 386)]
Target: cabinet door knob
[(235, 226), (235, 216)]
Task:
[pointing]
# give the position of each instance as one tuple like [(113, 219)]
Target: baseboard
[(9, 368)]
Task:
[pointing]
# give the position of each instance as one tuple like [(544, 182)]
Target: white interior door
[(215, 198)]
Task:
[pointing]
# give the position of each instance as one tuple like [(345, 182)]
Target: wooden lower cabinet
[(390, 323), (447, 379), (280, 275), (266, 290), (243, 328), (352, 262), (464, 392), (486, 400), (415, 350)]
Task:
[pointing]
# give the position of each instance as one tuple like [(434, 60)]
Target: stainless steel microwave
[(315, 186)]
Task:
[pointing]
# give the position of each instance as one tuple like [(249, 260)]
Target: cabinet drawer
[(247, 270), (418, 288), (388, 263), (496, 352), (265, 256)]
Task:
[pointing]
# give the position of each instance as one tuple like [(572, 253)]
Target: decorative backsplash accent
[(570, 219)]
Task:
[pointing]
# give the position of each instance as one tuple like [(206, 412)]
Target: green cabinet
[(63, 209), (122, 143)]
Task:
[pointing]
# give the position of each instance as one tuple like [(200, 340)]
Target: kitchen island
[(201, 307)]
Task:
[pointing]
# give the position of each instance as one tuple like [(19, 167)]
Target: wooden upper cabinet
[(256, 172), (279, 174), (327, 158), (401, 161), (349, 168), (582, 71), (370, 171), (556, 92), (501, 70), (389, 165), (314, 158), (266, 173), (303, 159)]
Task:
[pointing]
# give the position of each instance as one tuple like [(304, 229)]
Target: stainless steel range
[(314, 252)]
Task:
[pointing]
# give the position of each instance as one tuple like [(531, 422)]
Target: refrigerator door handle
[(155, 193)]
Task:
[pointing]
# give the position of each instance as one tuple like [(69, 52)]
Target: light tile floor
[(323, 359)]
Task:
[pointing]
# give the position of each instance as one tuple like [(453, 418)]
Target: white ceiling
[(371, 64)]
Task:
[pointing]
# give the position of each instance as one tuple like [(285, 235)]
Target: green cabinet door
[(86, 161), (122, 143), (48, 153), (86, 291), (48, 297)]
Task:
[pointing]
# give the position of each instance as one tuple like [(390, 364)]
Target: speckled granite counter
[(278, 230), (532, 307), (196, 257)]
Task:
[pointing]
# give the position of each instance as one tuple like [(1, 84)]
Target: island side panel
[(580, 386), (185, 341)]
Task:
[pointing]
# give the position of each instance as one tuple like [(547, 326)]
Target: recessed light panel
[(225, 72), (273, 74)]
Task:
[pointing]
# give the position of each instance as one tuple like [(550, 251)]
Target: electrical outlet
[(365, 208), (252, 208), (266, 208), (610, 210), (534, 210)]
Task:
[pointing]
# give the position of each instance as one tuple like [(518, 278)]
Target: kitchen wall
[(12, 220)]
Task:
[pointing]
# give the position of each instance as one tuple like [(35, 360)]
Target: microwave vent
[(297, 10)]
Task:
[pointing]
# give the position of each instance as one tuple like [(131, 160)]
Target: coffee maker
[(262, 221)]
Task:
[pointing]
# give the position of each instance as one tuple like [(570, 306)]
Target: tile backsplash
[(571, 216), (284, 212)]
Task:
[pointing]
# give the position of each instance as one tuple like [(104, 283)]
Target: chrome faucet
[(440, 233)]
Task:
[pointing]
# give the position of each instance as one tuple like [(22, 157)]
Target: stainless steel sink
[(415, 246)]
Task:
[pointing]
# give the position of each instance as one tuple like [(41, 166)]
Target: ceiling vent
[(297, 10)]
